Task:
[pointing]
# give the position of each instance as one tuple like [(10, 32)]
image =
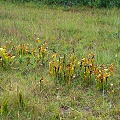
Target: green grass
[(84, 29)]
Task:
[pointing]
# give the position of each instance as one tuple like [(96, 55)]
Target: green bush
[(97, 3), (107, 3)]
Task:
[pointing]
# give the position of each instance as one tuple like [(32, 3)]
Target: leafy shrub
[(107, 3), (97, 3)]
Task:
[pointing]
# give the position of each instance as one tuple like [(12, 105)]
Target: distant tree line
[(97, 3)]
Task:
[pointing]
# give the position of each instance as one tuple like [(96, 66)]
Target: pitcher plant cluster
[(64, 68), (6, 58), (69, 68), (24, 53)]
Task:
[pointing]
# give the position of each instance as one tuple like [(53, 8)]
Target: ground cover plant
[(59, 62)]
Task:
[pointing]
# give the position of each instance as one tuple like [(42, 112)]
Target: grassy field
[(24, 97)]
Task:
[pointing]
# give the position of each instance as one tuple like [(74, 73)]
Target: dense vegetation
[(91, 3), (59, 63)]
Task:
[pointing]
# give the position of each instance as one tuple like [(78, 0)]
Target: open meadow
[(59, 63)]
